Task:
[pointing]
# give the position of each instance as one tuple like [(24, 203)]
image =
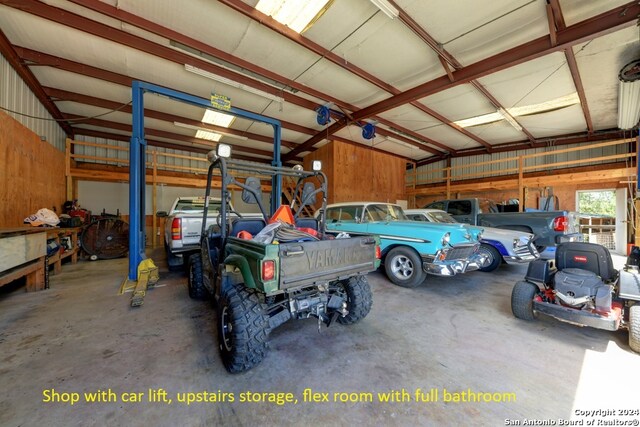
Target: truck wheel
[(195, 281), (634, 327), (522, 300), (243, 328), (359, 299), (404, 267), (494, 259)]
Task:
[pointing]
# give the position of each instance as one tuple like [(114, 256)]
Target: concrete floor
[(455, 335)]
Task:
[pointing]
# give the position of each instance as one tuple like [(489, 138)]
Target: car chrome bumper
[(566, 238), (520, 259), (451, 268)]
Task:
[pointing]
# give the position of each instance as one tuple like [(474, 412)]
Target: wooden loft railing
[(445, 181)]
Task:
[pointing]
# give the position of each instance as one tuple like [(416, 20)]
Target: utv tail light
[(176, 229), (268, 270), (561, 223)]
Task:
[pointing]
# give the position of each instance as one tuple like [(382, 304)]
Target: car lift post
[(142, 270)]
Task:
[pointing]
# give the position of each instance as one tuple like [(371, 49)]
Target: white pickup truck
[(183, 226)]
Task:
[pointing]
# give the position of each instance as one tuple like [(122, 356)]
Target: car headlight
[(445, 239), (522, 241)]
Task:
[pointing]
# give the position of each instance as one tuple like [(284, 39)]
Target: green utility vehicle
[(262, 272)]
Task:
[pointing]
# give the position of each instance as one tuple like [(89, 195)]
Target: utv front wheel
[(493, 258), (404, 267), (195, 281), (522, 300), (359, 299), (243, 328), (634, 327)]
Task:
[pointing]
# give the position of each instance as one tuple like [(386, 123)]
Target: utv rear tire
[(195, 281), (359, 299), (634, 327), (404, 267), (243, 328), (522, 300), (494, 259)]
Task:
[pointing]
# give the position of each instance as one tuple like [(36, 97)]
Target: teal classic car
[(410, 250)]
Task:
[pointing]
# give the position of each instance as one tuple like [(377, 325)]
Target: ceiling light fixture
[(298, 15), (216, 132), (217, 118), (232, 83), (404, 144), (387, 8), (629, 95), (208, 135), (554, 104), (510, 119)]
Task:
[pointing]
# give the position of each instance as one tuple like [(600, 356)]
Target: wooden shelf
[(58, 234)]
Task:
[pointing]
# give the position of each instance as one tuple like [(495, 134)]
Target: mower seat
[(586, 256)]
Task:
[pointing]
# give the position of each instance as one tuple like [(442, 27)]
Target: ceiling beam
[(611, 134), (449, 60), (109, 33), (81, 120), (154, 143), (556, 22), (605, 23), (7, 50), (132, 19), (63, 95), (39, 58), (285, 31)]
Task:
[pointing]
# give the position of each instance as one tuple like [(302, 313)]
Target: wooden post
[(67, 169), (154, 182), (448, 178), (521, 194)]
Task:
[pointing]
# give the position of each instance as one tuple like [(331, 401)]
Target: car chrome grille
[(463, 251)]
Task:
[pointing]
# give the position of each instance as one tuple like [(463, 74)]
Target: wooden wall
[(31, 173), (358, 173)]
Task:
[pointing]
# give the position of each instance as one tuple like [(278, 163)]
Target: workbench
[(22, 254)]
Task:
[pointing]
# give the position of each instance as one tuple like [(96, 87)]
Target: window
[(459, 207), (343, 213), (441, 217)]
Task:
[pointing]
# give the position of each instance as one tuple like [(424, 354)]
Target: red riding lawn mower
[(582, 287)]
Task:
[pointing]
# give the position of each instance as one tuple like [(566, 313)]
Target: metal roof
[(413, 76)]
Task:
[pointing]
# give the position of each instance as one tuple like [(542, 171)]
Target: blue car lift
[(143, 271)]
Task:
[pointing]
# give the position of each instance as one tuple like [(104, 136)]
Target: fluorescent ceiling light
[(628, 104), (629, 96), (208, 135), (554, 104), (205, 130), (387, 8), (217, 119), (480, 120), (404, 144), (232, 83), (298, 15)]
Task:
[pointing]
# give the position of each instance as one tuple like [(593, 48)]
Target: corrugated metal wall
[(170, 163), (470, 164), (15, 95)]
